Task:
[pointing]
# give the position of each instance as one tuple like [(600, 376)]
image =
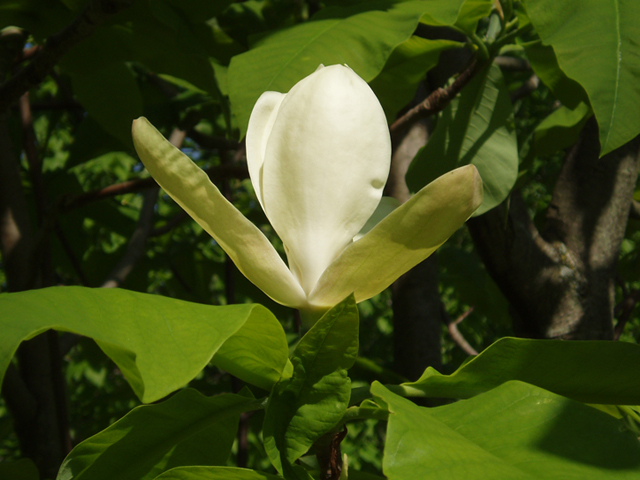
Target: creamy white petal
[(191, 188), (325, 165), (402, 240), (260, 124)]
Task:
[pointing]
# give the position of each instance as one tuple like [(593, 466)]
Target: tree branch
[(216, 174), (436, 101), (458, 337), (95, 13)]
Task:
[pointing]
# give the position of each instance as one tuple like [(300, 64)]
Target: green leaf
[(187, 429), (23, 469), (363, 36), (471, 13), (589, 371), (596, 43), (310, 402), (544, 62), (396, 84), (111, 96), (215, 473), (560, 129), (476, 128), (158, 343), (516, 431)]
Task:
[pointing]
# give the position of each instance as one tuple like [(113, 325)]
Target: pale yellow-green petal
[(402, 240), (191, 188)]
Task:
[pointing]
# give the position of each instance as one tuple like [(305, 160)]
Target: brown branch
[(634, 211), (216, 173), (436, 101), (514, 64), (624, 309), (95, 13), (458, 337), (135, 247), (29, 144)]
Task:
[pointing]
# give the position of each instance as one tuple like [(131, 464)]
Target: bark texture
[(560, 280)]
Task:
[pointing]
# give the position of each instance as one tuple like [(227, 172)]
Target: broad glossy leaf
[(215, 473), (158, 343), (476, 128), (396, 84), (187, 429), (23, 469), (362, 36), (544, 62), (587, 371), (596, 42), (516, 431), (310, 402)]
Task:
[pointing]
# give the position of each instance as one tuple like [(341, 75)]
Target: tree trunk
[(560, 281)]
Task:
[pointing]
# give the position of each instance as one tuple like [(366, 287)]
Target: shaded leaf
[(187, 429), (475, 128), (396, 84), (215, 473), (23, 469), (589, 371)]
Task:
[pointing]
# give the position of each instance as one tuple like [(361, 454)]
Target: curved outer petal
[(191, 188), (326, 163), (402, 240), (260, 124)]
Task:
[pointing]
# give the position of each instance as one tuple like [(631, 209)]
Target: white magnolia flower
[(318, 159)]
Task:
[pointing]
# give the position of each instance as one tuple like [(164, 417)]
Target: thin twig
[(95, 13), (457, 336), (216, 173), (436, 101), (626, 307)]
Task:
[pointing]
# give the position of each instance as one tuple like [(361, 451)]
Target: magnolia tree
[(322, 96)]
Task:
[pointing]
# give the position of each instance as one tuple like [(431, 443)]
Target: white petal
[(260, 124), (326, 163), (402, 240), (191, 188)]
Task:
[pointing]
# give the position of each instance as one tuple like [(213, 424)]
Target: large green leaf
[(476, 128), (215, 473), (310, 402), (396, 84), (596, 42), (159, 343), (187, 429), (517, 431), (544, 62), (362, 36), (588, 371)]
